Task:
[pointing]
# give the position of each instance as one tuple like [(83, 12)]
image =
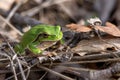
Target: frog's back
[(33, 33)]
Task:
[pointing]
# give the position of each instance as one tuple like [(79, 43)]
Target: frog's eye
[(41, 36), (45, 35)]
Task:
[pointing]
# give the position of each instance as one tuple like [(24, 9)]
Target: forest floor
[(91, 48)]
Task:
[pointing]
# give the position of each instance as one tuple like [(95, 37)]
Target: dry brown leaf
[(78, 28), (6, 4), (72, 26), (109, 29)]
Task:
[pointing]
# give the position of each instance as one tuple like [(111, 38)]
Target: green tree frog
[(36, 35)]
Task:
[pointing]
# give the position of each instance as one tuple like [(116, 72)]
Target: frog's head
[(51, 33)]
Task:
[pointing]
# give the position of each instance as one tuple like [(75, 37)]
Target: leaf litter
[(109, 28)]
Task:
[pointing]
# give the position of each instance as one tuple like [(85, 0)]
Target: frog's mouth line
[(46, 45)]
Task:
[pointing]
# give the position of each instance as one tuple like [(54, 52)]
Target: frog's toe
[(37, 52)]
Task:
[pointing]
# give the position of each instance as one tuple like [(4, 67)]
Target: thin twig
[(13, 11), (46, 72), (12, 64), (21, 20), (35, 10), (20, 66), (21, 69), (28, 72), (11, 26), (73, 72), (24, 70), (77, 69), (4, 59), (43, 76), (55, 73), (95, 56), (84, 62), (13, 68)]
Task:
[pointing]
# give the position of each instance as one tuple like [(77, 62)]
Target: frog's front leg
[(33, 47)]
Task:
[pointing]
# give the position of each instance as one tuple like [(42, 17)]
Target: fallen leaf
[(78, 28), (109, 29)]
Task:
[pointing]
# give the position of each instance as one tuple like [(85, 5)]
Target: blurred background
[(17, 16), (56, 12)]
